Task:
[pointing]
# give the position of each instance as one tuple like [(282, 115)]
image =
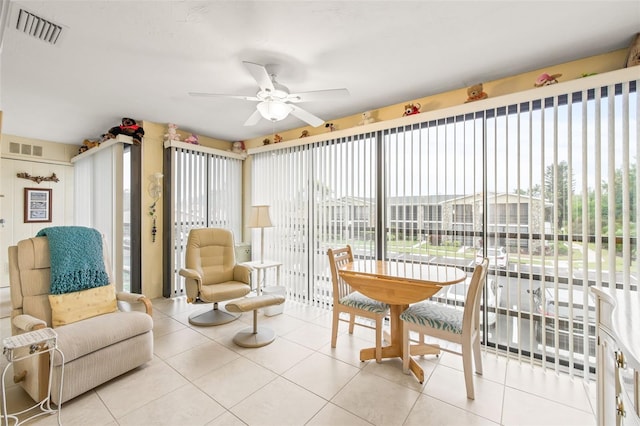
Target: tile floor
[(199, 377)]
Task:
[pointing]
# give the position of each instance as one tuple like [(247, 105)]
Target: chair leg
[(334, 328), (406, 348), (477, 354), (386, 336), (468, 368), (352, 322), (378, 339)]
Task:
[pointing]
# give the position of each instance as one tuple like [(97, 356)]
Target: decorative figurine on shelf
[(277, 138), (304, 134), (546, 79), (633, 56), (172, 133), (266, 141), (475, 93), (129, 127), (330, 126), (238, 147), (411, 109), (366, 118), (87, 144), (587, 74), (193, 139)]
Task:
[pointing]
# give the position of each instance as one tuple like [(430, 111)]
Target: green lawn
[(422, 247)]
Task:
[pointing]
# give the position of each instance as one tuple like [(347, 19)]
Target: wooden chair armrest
[(147, 305), (133, 298)]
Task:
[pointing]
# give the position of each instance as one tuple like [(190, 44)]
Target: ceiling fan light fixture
[(274, 110)]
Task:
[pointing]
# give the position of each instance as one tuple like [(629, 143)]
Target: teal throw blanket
[(76, 258)]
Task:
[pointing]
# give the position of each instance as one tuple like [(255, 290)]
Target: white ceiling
[(140, 59)]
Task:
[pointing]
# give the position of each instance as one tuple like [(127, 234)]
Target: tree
[(558, 187), (532, 192), (577, 217), (617, 186), (590, 199)]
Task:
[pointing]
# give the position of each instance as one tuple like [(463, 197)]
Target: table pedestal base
[(395, 350), (399, 284)]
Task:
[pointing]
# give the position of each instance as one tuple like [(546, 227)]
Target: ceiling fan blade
[(220, 95), (318, 95), (253, 119), (305, 116), (261, 75)]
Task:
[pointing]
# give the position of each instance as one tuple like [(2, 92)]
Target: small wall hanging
[(38, 179), (155, 192)]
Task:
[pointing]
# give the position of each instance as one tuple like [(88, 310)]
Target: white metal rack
[(35, 342)]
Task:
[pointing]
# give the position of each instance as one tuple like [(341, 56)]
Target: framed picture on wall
[(37, 205)]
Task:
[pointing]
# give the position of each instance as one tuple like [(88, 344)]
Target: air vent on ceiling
[(14, 148), (38, 27)]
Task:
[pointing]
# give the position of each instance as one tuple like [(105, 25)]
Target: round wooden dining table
[(398, 284)]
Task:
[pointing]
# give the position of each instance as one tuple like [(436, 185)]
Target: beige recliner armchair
[(212, 274), (96, 349)]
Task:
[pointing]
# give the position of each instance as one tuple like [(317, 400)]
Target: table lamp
[(260, 219)]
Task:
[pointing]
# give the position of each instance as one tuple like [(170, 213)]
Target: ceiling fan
[(275, 101)]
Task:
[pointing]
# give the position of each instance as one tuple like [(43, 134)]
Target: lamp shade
[(274, 110), (260, 217)]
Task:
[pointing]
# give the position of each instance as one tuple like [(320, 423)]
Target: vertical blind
[(571, 157), (98, 187), (206, 192), (321, 195), (543, 182)]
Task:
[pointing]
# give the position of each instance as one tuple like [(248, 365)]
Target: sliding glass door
[(546, 187), (205, 187)]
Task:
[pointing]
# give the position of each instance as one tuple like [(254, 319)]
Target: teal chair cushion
[(360, 301), (434, 315)]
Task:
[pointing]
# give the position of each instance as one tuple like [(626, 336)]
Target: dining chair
[(353, 303), (448, 323)]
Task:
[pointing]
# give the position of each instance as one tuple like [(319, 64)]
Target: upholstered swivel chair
[(351, 302), (448, 323), (212, 275)]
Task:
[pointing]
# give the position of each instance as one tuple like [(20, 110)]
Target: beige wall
[(55, 159), (569, 70), (202, 140), (51, 151), (152, 158), (152, 148)]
